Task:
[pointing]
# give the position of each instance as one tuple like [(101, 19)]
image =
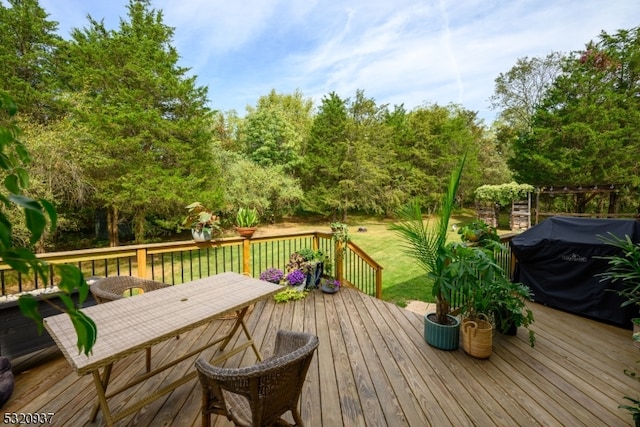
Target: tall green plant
[(624, 267), (427, 244)]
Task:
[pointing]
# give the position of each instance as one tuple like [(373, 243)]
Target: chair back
[(114, 287), (270, 387)]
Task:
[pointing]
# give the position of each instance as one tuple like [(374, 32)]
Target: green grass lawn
[(402, 278)]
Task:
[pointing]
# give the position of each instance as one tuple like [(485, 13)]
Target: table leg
[(101, 389), (240, 323)]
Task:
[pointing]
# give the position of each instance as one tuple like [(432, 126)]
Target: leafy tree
[(519, 91), (366, 181), (268, 189), (13, 159), (148, 142), (275, 129), (56, 175), (27, 69), (586, 130), (437, 138), (325, 148)]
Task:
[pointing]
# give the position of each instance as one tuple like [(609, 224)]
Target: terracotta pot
[(246, 232)]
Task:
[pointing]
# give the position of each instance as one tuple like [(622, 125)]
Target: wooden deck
[(373, 368)]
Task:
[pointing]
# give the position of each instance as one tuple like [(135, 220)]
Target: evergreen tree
[(586, 131), (148, 146), (325, 149), (27, 46)]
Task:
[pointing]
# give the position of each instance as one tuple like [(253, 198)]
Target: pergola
[(579, 196)]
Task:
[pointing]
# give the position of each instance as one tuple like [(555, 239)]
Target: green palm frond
[(423, 242)]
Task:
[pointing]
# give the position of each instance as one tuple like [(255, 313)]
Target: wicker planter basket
[(477, 337)]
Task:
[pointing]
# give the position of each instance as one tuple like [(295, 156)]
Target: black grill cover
[(557, 260)]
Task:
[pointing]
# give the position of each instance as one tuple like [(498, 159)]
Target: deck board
[(373, 368)]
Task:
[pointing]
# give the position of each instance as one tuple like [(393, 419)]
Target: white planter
[(201, 236)]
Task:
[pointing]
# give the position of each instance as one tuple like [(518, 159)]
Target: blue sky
[(407, 52)]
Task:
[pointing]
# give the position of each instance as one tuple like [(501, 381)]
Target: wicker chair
[(259, 395), (115, 287)]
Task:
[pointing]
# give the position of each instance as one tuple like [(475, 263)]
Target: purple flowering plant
[(332, 283), (273, 275), (296, 277)]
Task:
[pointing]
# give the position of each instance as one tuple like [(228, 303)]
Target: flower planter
[(329, 289), (19, 334), (246, 232), (443, 337), (201, 236), (313, 277)]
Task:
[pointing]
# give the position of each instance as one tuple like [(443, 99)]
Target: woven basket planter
[(477, 337)]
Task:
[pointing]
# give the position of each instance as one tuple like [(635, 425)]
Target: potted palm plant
[(427, 245), (246, 222), (202, 221)]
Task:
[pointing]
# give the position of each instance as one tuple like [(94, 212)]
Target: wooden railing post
[(379, 283), (339, 251), (246, 256), (141, 257)]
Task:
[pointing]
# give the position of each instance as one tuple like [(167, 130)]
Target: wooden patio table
[(132, 324)]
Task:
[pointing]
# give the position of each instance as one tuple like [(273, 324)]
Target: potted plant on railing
[(202, 221), (340, 235), (246, 222), (427, 245)]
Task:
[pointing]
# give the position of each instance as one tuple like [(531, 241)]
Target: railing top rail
[(364, 255)]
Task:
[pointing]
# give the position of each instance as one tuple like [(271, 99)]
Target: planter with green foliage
[(493, 294), (312, 263), (246, 222), (203, 222), (625, 268)]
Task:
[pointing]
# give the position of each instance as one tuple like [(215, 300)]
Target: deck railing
[(179, 262)]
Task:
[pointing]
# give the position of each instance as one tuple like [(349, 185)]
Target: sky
[(408, 52)]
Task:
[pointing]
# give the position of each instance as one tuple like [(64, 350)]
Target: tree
[(275, 129), (519, 91), (148, 145), (586, 129), (436, 139), (27, 70), (14, 157), (325, 147), (268, 189)]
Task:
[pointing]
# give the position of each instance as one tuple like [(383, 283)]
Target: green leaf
[(29, 307), (33, 213), (11, 184), (23, 177), (85, 329), (51, 211), (70, 278)]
